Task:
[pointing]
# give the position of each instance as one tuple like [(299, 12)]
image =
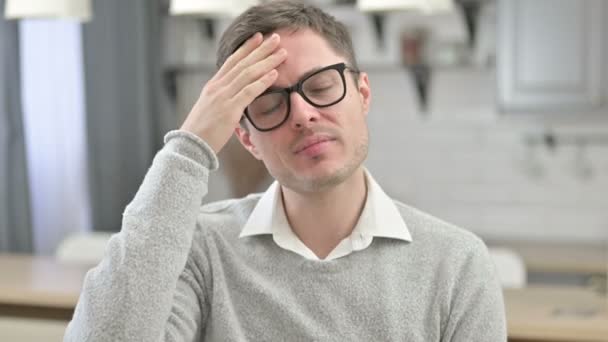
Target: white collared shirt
[(379, 218)]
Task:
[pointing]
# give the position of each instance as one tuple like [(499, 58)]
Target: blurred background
[(490, 114)]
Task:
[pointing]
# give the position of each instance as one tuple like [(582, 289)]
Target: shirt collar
[(379, 218)]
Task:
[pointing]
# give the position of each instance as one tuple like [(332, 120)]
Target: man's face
[(291, 152)]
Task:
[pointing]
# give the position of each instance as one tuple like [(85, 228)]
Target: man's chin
[(319, 180)]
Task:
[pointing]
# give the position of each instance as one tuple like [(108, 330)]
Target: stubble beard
[(326, 182)]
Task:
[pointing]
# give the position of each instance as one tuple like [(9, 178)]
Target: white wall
[(469, 165)]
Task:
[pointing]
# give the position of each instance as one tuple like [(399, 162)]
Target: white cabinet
[(552, 55)]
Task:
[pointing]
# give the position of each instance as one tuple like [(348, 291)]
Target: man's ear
[(365, 91), (245, 138)]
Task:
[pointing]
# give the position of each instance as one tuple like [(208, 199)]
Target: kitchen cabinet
[(551, 56)]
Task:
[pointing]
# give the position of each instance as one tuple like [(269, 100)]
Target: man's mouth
[(309, 142)]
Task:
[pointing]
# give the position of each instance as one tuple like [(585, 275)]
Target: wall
[(469, 165)]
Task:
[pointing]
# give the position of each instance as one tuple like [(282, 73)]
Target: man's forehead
[(302, 39), (285, 31), (307, 52)]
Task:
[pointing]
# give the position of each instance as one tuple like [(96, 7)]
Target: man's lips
[(311, 141)]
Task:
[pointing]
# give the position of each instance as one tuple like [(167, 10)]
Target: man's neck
[(321, 220)]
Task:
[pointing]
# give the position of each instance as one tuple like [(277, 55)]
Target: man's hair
[(285, 14)]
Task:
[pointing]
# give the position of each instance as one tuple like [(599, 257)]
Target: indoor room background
[(492, 115)]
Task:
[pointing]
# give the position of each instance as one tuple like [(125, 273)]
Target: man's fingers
[(254, 72), (251, 44), (262, 51), (247, 94)]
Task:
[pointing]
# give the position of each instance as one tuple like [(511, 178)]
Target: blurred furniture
[(566, 314), (510, 267), (562, 257), (83, 248), (39, 287), (245, 174), (574, 263), (550, 57), (31, 329), (38, 294)]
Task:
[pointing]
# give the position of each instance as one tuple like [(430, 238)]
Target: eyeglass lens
[(320, 89)]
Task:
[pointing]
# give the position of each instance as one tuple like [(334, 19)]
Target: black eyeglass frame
[(340, 67)]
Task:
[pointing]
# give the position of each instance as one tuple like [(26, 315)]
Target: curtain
[(15, 221), (54, 121), (123, 99)]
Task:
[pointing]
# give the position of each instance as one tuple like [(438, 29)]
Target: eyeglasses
[(322, 88)]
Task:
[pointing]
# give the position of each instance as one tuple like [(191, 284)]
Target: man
[(323, 255)]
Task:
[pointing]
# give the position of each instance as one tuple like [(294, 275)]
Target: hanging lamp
[(24, 9), (427, 6), (223, 8)]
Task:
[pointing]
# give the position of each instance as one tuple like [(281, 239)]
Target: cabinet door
[(550, 55)]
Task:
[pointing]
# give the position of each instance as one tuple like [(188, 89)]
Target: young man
[(323, 255)]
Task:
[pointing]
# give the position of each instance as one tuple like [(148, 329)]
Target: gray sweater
[(179, 272)]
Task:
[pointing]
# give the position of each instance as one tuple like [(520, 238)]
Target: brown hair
[(291, 14)]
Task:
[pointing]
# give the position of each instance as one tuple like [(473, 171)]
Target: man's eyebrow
[(304, 75), (310, 72)]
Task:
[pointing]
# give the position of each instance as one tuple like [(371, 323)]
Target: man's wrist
[(191, 146)]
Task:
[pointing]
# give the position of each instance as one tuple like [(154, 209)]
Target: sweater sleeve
[(477, 311), (142, 290)]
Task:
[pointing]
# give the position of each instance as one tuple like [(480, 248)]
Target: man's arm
[(477, 311), (129, 296), (143, 290)]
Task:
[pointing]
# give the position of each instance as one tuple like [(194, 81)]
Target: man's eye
[(271, 110), (319, 89)]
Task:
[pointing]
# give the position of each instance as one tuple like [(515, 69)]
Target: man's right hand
[(245, 75)]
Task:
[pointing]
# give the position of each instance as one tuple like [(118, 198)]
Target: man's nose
[(303, 114)]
